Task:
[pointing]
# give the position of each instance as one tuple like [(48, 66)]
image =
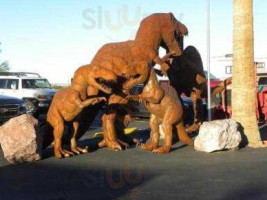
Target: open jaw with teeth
[(178, 38), (106, 85), (131, 82)]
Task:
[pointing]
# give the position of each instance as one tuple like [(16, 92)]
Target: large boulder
[(20, 140), (218, 135)]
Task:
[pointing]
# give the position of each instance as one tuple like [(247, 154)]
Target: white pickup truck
[(31, 87)]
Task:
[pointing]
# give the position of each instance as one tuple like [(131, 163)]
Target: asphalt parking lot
[(137, 174)]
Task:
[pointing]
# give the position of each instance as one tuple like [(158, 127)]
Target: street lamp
[(208, 60)]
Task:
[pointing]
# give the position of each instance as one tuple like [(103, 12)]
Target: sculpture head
[(138, 73), (102, 79), (163, 29), (173, 33)]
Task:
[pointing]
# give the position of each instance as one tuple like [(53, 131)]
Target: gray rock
[(218, 135), (20, 140)]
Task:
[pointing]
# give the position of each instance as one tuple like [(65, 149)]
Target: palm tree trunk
[(244, 82)]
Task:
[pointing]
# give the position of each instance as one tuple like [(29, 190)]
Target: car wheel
[(31, 109)]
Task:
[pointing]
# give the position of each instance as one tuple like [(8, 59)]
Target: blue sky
[(54, 38)]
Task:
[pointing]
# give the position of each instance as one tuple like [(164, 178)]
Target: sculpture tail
[(182, 134)]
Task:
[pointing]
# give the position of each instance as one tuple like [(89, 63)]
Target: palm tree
[(4, 67), (244, 80)]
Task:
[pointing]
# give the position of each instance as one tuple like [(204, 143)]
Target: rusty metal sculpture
[(98, 78), (133, 60), (164, 109), (161, 29), (130, 61), (186, 75), (66, 106), (69, 102)]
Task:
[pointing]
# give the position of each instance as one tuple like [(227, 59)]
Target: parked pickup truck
[(35, 90)]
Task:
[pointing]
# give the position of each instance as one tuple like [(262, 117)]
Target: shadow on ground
[(92, 143), (59, 181), (142, 135), (247, 192)]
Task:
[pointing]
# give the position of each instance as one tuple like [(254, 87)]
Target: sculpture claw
[(114, 145), (124, 144), (102, 144), (66, 155), (61, 152), (79, 150), (194, 127), (111, 144), (84, 150), (164, 68), (137, 142), (149, 146), (162, 150)]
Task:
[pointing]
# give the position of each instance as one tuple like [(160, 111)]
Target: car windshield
[(35, 83)]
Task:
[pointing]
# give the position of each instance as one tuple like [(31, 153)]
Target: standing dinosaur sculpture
[(161, 29), (164, 109), (68, 103)]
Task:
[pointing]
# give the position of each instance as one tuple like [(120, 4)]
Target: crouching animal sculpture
[(164, 109), (69, 102)]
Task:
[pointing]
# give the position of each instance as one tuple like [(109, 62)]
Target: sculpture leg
[(73, 140), (170, 117), (126, 119), (154, 134), (198, 110), (108, 123), (182, 134), (110, 137), (166, 147), (121, 123), (58, 125)]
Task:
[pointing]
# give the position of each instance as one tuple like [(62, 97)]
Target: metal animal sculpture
[(65, 107), (164, 109), (100, 79), (161, 29), (186, 75), (68, 103)]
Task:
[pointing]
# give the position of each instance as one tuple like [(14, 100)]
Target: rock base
[(218, 135), (20, 140)]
